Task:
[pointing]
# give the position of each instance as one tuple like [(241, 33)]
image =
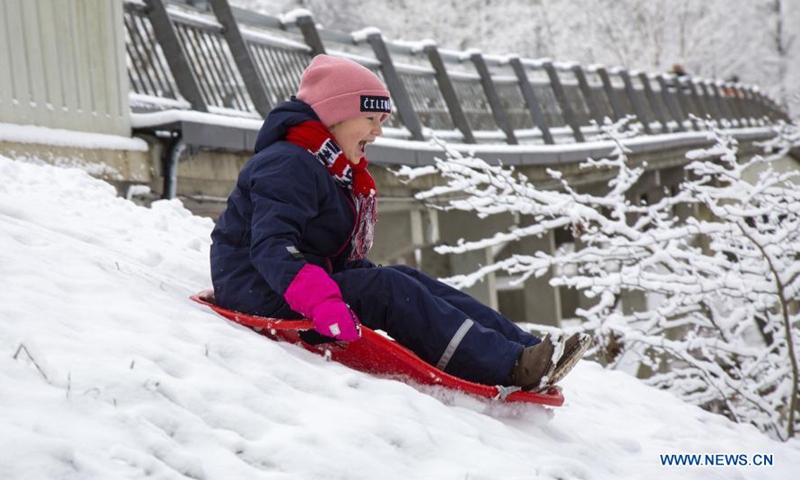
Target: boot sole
[(573, 356), (548, 369)]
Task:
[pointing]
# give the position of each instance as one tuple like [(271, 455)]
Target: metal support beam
[(563, 102), (698, 100), (182, 72), (310, 34), (711, 101), (766, 105), (609, 89), (531, 101), (654, 105), (588, 96), (672, 105), (751, 100), (736, 106), (241, 55), (761, 104), (744, 105), (637, 105), (684, 99), (723, 104), (757, 106), (449, 93), (500, 114), (400, 97)]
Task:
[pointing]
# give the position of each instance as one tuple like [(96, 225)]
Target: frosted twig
[(23, 348)]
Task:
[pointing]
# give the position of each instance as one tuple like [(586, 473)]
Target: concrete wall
[(62, 65), (785, 164)]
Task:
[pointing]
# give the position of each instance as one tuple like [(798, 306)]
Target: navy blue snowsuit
[(286, 211)]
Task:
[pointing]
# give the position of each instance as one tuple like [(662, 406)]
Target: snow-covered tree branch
[(723, 284)]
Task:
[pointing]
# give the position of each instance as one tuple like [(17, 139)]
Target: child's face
[(354, 134)]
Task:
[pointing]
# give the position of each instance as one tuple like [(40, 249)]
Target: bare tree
[(723, 328)]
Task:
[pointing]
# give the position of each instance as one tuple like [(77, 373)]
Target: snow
[(364, 33), (141, 100), (119, 375), (412, 69), (658, 141), (640, 248), (291, 17), (466, 55), (29, 134), (265, 38), (417, 46), (140, 120), (193, 18), (261, 36), (365, 61), (536, 63)]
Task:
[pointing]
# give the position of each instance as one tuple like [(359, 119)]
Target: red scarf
[(314, 137)]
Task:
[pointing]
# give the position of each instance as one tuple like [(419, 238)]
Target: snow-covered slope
[(118, 375)]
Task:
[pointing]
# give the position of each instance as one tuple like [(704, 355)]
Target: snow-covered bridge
[(194, 78)]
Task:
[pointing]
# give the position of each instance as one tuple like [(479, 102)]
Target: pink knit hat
[(339, 88)]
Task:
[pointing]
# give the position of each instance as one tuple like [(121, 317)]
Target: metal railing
[(221, 59)]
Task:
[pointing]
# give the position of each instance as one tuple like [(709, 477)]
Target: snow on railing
[(433, 89)]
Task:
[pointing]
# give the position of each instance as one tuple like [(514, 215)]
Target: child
[(294, 237)]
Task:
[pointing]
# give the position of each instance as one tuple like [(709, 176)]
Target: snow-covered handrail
[(233, 60)]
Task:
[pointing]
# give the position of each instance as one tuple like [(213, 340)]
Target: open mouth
[(362, 147)]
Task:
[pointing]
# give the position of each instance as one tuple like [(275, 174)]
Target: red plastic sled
[(378, 355)]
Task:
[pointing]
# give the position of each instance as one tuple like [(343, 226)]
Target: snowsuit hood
[(280, 119)]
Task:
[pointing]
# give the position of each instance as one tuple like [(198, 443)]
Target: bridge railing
[(208, 56), (149, 75)]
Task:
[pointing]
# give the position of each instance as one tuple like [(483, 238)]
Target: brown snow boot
[(574, 348), (534, 366)]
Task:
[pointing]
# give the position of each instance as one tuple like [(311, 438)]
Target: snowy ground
[(121, 376)]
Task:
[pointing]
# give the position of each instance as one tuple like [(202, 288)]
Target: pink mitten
[(314, 294)]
